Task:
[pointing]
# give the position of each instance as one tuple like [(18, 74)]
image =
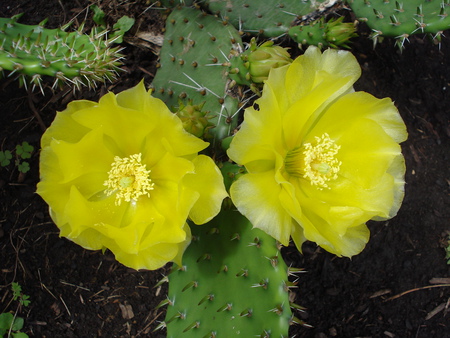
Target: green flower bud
[(265, 57), (338, 33), (253, 65), (194, 120)]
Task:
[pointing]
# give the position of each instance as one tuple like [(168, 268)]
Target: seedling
[(19, 295), (5, 158), (23, 151), (10, 324), (122, 25)]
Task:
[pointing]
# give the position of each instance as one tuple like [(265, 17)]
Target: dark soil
[(390, 290)]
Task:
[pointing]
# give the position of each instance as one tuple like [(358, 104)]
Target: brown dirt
[(79, 293)]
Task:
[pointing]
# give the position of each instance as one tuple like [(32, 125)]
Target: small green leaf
[(16, 289), (5, 157), (122, 26), (24, 167), (99, 15), (18, 324), (25, 300), (6, 320), (24, 150)]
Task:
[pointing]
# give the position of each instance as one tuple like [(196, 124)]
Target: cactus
[(76, 58), (400, 19), (233, 282), (335, 33), (271, 19), (194, 66)]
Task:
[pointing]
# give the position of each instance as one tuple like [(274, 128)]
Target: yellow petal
[(137, 244), (366, 153), (88, 155), (260, 132), (331, 73), (397, 172), (349, 108), (118, 123), (339, 230), (166, 228), (169, 169), (256, 196), (208, 182), (64, 126), (153, 258)]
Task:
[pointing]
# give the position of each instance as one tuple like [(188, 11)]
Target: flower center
[(128, 178), (316, 162)]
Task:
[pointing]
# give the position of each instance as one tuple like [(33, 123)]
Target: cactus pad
[(233, 283), (75, 58), (270, 18), (402, 18), (194, 66)]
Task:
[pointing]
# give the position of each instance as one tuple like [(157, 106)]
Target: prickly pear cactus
[(194, 66), (270, 18), (233, 283), (74, 58), (402, 18), (333, 33)]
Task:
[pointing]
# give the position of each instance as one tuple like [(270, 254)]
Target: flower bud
[(265, 57), (194, 120), (338, 33)]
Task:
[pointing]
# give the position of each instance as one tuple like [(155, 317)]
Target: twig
[(35, 112), (76, 286), (416, 289)]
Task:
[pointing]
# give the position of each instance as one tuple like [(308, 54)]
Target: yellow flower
[(322, 159), (123, 174)]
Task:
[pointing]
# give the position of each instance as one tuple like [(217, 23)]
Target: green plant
[(232, 279), (202, 76), (10, 325), (400, 19), (122, 25), (33, 51), (233, 282), (227, 251), (19, 295), (5, 158), (22, 151)]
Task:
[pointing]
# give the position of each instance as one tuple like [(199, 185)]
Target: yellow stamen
[(317, 162), (128, 179)]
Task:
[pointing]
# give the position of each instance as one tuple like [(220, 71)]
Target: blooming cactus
[(123, 174), (322, 159)]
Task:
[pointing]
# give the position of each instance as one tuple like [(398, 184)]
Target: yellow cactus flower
[(123, 174), (322, 159)]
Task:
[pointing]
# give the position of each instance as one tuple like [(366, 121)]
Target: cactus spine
[(71, 57)]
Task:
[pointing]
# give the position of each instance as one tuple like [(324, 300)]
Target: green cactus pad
[(233, 283), (335, 33), (194, 66), (270, 18), (75, 58), (402, 18)]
